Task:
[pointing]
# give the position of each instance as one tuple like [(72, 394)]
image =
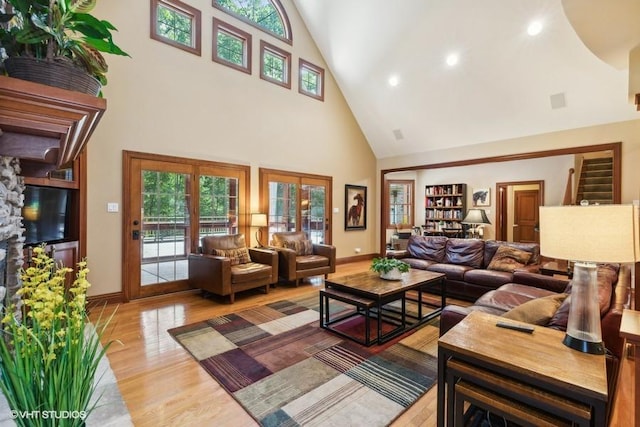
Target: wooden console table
[(532, 379)]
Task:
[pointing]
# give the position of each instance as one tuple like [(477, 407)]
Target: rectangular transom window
[(177, 24), (275, 65), (311, 80), (231, 46)]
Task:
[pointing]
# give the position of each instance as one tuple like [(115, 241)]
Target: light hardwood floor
[(163, 385)]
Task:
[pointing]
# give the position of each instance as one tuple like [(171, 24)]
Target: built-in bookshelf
[(445, 206)]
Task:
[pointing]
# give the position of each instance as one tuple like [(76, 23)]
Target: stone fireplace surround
[(11, 238)]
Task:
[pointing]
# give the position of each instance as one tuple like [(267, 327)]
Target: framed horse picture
[(481, 197), (355, 207)]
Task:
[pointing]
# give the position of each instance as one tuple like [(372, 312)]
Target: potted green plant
[(389, 268), (60, 35), (49, 350)]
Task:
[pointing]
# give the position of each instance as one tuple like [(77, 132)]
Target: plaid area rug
[(285, 370)]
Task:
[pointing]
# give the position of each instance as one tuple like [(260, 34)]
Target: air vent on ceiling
[(398, 134), (558, 101)]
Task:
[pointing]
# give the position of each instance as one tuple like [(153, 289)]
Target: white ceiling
[(500, 89)]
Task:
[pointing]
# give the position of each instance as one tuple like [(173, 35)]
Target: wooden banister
[(568, 192)]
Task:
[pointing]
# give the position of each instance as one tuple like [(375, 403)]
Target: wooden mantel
[(45, 127)]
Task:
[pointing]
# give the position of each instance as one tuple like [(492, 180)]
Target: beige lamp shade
[(258, 220), (604, 233), (476, 216)]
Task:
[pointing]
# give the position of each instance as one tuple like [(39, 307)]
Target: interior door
[(525, 216), (157, 227)]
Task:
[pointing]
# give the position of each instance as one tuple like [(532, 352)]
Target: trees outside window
[(399, 203), (275, 65), (176, 24), (267, 15), (311, 80), (231, 46)]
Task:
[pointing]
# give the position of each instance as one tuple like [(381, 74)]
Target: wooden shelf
[(446, 204), (45, 127)]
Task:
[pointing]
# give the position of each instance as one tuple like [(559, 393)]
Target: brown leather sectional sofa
[(467, 263)]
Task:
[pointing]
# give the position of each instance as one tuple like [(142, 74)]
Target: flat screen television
[(47, 214)]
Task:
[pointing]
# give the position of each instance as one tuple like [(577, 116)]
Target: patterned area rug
[(285, 370)]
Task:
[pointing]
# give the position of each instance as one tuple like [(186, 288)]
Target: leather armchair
[(223, 269), (299, 258)]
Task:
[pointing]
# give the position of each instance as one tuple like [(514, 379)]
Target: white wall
[(167, 101), (485, 174)]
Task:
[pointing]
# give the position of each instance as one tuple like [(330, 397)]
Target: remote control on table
[(522, 328)]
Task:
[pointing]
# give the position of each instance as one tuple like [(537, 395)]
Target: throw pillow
[(537, 311), (302, 247), (237, 256), (508, 259)]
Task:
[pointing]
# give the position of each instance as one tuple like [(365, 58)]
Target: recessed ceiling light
[(452, 59), (534, 28), (393, 81)]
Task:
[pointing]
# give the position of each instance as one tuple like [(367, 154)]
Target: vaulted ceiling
[(505, 84)]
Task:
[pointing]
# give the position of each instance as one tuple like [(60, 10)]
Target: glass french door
[(169, 206), (296, 202), (160, 227)]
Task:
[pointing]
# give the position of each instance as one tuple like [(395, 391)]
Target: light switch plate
[(113, 207)]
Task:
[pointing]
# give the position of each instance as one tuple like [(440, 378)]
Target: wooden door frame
[(298, 178), (127, 228), (502, 203)]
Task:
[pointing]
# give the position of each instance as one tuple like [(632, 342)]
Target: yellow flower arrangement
[(48, 354)]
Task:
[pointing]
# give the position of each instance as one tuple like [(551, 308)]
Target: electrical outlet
[(357, 250)]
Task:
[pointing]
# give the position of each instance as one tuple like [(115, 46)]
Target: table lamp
[(259, 220), (586, 235), (475, 217)]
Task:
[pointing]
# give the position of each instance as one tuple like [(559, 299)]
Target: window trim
[(302, 64), (196, 21), (288, 35), (387, 203), (221, 26), (286, 56)]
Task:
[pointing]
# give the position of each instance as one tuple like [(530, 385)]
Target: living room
[(168, 102)]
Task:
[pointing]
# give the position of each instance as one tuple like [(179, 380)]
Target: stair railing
[(568, 192)]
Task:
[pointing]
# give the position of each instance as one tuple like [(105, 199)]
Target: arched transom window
[(267, 15)]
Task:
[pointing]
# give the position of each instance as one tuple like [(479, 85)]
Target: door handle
[(135, 235)]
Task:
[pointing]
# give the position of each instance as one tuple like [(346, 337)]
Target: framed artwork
[(355, 207), (482, 197)]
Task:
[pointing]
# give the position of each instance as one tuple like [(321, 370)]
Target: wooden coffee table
[(370, 295)]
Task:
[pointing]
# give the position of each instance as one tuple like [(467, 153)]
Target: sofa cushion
[(452, 271), (429, 248), (537, 311), (467, 252), (249, 272), (491, 246), (278, 239), (422, 264), (510, 296), (302, 247), (228, 241), (306, 262), (237, 256), (488, 278), (509, 259)]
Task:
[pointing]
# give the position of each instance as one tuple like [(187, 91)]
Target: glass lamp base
[(583, 346)]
